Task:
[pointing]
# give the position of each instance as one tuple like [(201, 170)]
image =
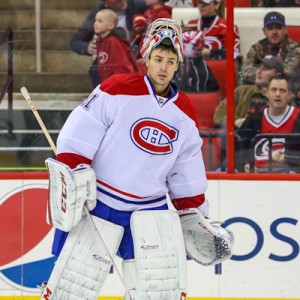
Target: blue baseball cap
[(274, 17)]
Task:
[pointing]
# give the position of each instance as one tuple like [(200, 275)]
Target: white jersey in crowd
[(141, 146)]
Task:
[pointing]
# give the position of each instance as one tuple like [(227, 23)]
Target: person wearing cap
[(276, 43), (249, 97), (83, 41), (140, 136), (213, 25), (278, 117)]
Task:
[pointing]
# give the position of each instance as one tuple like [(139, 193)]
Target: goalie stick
[(27, 97)]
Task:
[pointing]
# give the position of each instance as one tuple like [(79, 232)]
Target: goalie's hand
[(206, 242)]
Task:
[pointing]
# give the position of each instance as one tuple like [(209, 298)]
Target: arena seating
[(206, 104), (294, 32), (211, 148), (218, 68)]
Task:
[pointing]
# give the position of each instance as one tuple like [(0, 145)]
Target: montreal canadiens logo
[(153, 136)]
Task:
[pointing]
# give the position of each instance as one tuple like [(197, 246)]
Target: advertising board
[(262, 214)]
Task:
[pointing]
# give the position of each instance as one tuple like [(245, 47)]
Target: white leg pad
[(160, 268), (84, 263)]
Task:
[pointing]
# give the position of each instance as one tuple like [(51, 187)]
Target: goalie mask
[(163, 31)]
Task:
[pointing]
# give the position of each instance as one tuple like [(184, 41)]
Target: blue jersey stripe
[(131, 202)]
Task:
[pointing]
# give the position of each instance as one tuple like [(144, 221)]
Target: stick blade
[(25, 93)]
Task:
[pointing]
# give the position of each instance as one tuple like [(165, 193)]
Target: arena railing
[(7, 37)]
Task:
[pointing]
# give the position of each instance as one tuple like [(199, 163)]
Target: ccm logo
[(183, 296), (153, 136), (63, 193), (47, 294)]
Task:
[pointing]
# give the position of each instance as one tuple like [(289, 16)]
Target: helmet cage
[(163, 30)]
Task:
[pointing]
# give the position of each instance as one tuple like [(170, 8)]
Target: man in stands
[(278, 117), (248, 98), (276, 44)]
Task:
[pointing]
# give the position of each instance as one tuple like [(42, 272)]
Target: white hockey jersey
[(141, 146)]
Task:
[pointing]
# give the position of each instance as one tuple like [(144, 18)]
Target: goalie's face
[(162, 64)]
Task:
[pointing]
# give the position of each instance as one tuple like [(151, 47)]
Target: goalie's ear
[(206, 242)]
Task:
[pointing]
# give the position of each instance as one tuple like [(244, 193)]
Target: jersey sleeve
[(72, 160), (187, 181), (86, 126)]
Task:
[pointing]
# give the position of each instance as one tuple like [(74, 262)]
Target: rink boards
[(262, 214)]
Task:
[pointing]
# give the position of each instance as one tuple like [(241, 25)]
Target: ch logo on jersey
[(153, 136)]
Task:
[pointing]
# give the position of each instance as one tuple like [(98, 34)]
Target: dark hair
[(280, 77), (165, 47)]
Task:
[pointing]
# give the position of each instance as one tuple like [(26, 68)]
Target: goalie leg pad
[(83, 264), (69, 190), (160, 268)]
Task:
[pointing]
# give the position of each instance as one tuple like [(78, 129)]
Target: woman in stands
[(213, 25)]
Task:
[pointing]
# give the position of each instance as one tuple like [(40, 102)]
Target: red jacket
[(215, 35), (114, 55), (152, 14)]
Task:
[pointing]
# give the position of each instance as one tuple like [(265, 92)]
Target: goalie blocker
[(69, 190)]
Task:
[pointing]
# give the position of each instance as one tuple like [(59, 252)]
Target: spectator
[(114, 55), (156, 10), (276, 43), (277, 117), (194, 75), (213, 25), (82, 41), (249, 97)]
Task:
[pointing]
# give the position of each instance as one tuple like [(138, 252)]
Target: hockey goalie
[(131, 143)]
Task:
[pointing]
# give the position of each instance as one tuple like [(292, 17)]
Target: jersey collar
[(161, 100)]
